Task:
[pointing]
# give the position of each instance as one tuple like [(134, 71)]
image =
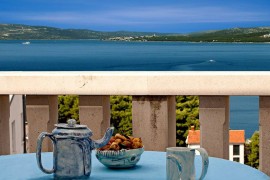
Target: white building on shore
[(236, 143)]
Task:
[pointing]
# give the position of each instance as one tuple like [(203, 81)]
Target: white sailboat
[(26, 43)]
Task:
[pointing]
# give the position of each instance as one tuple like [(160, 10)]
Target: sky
[(171, 16)]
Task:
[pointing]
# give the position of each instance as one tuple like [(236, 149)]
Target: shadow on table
[(48, 177), (108, 173), (101, 173)]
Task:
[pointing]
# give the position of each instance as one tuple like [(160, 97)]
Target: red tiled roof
[(236, 137), (193, 137)]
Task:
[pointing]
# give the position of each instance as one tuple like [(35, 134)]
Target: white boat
[(27, 42)]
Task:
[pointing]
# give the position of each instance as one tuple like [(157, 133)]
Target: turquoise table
[(151, 166)]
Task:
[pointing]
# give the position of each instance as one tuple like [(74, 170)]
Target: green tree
[(187, 114), (253, 147), (121, 116), (68, 108)]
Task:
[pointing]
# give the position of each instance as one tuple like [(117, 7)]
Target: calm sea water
[(92, 55), (244, 114)]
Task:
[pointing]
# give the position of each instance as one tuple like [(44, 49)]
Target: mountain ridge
[(238, 34), (27, 32)]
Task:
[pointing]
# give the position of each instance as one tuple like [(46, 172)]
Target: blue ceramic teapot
[(72, 150)]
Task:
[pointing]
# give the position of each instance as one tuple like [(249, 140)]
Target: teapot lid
[(71, 129)]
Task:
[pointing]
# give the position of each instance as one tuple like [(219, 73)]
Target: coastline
[(107, 40)]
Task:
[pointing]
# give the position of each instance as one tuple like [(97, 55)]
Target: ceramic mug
[(180, 163)]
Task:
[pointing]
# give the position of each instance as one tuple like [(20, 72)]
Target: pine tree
[(121, 116), (68, 108), (187, 114), (253, 146)]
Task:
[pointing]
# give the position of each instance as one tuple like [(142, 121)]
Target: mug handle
[(205, 162), (177, 161), (38, 153)]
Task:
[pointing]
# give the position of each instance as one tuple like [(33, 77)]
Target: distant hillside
[(25, 32), (260, 34)]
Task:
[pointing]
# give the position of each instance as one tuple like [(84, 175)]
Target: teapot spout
[(106, 138)]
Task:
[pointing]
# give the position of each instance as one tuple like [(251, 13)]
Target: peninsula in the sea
[(26, 32)]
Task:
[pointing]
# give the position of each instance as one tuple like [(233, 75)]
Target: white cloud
[(144, 16), (187, 15)]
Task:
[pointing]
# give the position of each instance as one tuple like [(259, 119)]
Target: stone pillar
[(42, 114), (4, 125), (214, 125), (264, 113), (154, 120), (94, 111)]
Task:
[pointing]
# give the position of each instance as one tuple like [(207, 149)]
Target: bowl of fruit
[(121, 152)]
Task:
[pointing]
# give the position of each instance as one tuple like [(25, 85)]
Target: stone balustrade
[(153, 104)]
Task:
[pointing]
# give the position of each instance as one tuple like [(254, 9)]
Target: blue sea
[(95, 55)]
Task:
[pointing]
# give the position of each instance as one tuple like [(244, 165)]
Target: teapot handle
[(38, 153)]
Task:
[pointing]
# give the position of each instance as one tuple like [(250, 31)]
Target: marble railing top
[(136, 83)]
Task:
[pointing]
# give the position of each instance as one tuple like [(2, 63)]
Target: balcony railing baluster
[(152, 119), (94, 111), (264, 113), (214, 125), (42, 114), (4, 125)]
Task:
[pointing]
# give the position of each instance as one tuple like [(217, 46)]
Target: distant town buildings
[(135, 38), (121, 38), (266, 36)]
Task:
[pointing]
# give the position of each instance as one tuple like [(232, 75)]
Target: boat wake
[(211, 61)]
